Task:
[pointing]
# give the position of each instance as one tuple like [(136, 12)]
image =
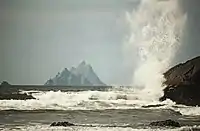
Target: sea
[(101, 109)]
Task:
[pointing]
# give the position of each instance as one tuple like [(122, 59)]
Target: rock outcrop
[(87, 72), (8, 92), (82, 75), (5, 84), (16, 96), (166, 123), (65, 124), (66, 78), (183, 83)]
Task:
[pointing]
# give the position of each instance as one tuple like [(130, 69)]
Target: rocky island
[(82, 75)]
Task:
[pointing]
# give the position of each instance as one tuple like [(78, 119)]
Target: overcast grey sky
[(39, 38), (190, 46)]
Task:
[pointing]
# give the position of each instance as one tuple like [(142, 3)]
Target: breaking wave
[(115, 98), (118, 99)]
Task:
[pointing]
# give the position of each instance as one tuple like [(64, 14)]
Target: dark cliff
[(183, 83)]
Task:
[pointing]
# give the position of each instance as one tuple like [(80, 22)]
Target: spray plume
[(156, 28)]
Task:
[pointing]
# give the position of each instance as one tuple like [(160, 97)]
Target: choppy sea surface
[(103, 109)]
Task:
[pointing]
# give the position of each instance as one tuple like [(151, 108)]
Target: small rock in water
[(158, 105), (165, 123), (65, 124)]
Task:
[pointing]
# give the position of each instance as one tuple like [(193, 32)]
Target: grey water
[(129, 118), (34, 117)]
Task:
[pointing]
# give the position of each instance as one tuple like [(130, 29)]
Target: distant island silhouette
[(82, 75)]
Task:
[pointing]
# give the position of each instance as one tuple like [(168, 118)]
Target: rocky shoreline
[(183, 83)]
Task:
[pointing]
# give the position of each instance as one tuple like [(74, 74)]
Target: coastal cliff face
[(183, 83)]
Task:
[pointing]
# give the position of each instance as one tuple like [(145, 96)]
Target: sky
[(40, 38), (190, 46)]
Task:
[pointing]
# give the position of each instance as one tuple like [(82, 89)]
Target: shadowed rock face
[(184, 74), (183, 83)]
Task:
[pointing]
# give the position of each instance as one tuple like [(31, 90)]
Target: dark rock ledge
[(183, 83)]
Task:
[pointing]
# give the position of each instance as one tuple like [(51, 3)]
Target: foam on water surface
[(79, 100), (117, 98), (47, 128)]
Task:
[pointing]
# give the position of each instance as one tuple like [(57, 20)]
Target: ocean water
[(111, 109)]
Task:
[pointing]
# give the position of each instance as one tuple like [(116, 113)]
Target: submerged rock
[(65, 124), (149, 106), (183, 83), (165, 123)]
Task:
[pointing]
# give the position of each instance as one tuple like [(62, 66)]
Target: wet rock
[(183, 83), (10, 92), (5, 84), (169, 123), (15, 96), (65, 124)]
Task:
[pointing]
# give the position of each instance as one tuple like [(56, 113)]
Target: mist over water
[(155, 32)]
